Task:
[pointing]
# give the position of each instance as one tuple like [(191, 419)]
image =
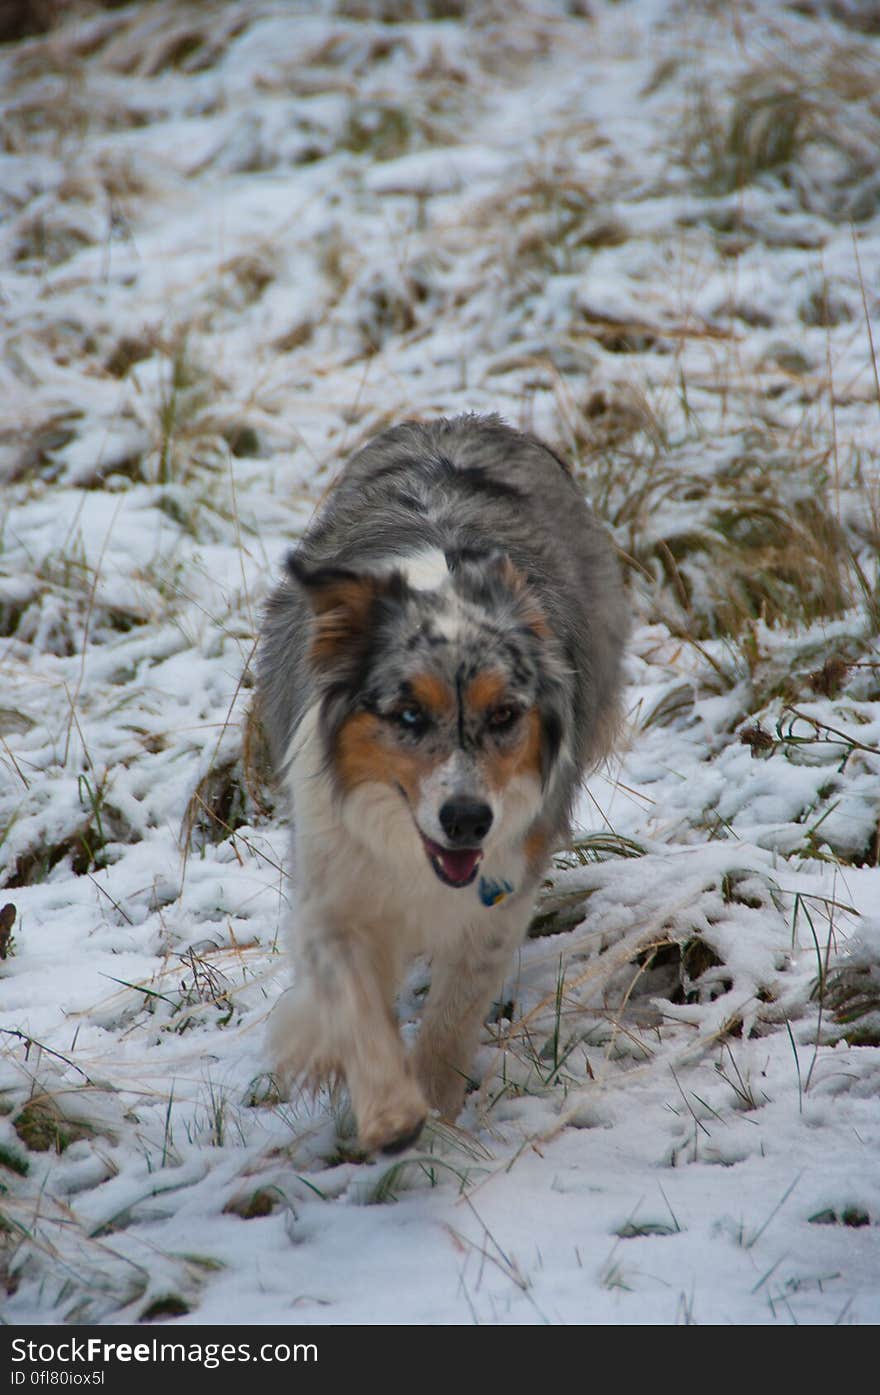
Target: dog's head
[(451, 699)]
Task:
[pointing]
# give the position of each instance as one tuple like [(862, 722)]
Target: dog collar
[(491, 892)]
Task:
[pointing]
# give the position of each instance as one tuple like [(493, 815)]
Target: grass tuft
[(7, 920), (254, 1205), (169, 1305), (43, 1128), (13, 1162), (852, 993)]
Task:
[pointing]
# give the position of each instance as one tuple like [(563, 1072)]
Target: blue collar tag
[(492, 892)]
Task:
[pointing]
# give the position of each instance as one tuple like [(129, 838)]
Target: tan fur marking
[(522, 759), (364, 755), (486, 690), (512, 577), (530, 611), (432, 693), (536, 847), (341, 610), (534, 618)]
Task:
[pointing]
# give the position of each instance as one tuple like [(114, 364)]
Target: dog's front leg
[(339, 1018), (463, 984)]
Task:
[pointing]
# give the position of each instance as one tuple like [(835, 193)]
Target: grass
[(763, 131), (851, 993), (735, 554), (42, 1127), (235, 790), (262, 1201), (7, 939), (184, 426), (780, 119), (13, 1161), (82, 848), (386, 1183), (722, 449)]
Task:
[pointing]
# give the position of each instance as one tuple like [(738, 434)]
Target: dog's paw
[(443, 1086), (394, 1125)]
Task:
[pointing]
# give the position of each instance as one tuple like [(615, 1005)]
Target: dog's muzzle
[(454, 866), (465, 822)]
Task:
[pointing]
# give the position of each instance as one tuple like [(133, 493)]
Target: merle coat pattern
[(436, 674)]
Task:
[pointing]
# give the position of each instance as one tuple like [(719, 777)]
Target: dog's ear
[(345, 605), (529, 608), (493, 579)]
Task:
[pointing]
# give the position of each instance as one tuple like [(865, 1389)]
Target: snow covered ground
[(237, 240)]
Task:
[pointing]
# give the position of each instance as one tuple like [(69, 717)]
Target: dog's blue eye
[(411, 716)]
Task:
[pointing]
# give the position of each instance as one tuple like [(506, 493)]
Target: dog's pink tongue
[(459, 865)]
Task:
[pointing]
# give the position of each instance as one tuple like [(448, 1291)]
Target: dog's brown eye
[(500, 718)]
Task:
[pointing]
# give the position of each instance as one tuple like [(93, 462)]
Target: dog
[(436, 673)]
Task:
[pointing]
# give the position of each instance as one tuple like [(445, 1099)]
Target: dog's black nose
[(465, 822)]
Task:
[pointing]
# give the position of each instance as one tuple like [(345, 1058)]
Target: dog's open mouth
[(454, 866)]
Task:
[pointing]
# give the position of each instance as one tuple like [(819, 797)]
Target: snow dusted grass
[(237, 241)]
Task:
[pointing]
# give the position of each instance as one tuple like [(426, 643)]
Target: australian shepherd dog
[(436, 674)]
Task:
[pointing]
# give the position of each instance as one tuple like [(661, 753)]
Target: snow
[(237, 240)]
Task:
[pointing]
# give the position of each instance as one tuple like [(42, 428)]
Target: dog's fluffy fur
[(437, 672)]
